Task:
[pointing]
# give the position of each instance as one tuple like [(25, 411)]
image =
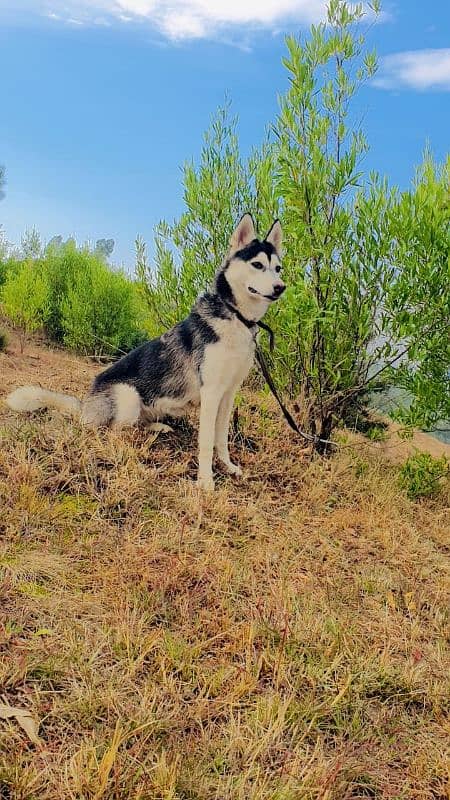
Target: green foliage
[(420, 298), (25, 298), (4, 245), (94, 309), (337, 236), (421, 474), (4, 260), (216, 193), (99, 312), (89, 306)]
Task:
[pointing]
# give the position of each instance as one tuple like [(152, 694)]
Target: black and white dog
[(201, 361)]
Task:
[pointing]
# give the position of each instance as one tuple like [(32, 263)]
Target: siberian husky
[(201, 361)]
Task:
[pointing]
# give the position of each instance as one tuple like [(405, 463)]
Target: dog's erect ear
[(243, 234), (275, 236)]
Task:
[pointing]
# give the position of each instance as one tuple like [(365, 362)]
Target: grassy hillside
[(282, 639)]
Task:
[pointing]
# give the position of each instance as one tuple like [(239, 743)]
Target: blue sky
[(103, 100)]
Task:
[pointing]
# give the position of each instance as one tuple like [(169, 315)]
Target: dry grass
[(283, 639)]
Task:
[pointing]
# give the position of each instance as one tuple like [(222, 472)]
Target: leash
[(262, 363)]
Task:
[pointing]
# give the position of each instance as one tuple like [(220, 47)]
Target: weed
[(421, 475)]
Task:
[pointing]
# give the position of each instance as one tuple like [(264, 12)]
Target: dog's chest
[(233, 355)]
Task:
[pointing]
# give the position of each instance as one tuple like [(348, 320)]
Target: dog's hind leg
[(127, 405), (118, 405), (221, 437)]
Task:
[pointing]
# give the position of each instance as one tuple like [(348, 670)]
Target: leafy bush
[(3, 270), (419, 297), (94, 309), (421, 474), (6, 258), (25, 298), (99, 312), (62, 263), (89, 306)]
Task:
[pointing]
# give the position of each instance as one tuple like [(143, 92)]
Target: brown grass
[(282, 639)]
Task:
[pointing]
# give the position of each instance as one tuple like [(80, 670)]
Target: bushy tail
[(31, 398)]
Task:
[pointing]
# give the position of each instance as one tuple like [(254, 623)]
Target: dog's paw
[(206, 484), (233, 469), (159, 427)]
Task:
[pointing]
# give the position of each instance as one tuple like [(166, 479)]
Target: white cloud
[(416, 69), (183, 19), (180, 19)]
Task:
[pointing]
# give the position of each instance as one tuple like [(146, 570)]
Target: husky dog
[(200, 361)]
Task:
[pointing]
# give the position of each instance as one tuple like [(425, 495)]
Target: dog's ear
[(243, 234), (275, 236)]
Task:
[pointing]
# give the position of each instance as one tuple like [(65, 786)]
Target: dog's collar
[(251, 323)]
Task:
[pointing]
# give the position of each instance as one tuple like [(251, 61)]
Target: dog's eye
[(278, 268), (257, 265)]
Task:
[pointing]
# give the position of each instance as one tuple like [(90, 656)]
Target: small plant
[(421, 474), (25, 299), (377, 432)]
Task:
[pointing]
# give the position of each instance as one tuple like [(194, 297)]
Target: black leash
[(262, 363)]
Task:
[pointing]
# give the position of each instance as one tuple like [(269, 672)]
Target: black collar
[(251, 323)]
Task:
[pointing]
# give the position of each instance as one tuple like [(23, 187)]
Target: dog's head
[(253, 267)]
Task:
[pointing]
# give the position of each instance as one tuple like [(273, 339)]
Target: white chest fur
[(229, 360)]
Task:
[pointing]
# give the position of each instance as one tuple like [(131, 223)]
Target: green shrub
[(3, 272), (94, 309), (63, 264), (25, 299), (100, 311), (81, 301), (7, 266), (421, 474)]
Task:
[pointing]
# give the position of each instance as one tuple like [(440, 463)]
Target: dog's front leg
[(209, 406), (222, 426)]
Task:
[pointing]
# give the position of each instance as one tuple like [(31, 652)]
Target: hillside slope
[(283, 638)]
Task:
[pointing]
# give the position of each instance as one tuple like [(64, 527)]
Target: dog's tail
[(32, 398)]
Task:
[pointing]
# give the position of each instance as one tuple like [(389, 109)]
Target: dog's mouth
[(270, 297)]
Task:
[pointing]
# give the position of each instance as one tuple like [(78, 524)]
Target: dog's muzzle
[(277, 292)]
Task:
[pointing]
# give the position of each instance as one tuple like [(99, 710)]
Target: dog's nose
[(278, 289)]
